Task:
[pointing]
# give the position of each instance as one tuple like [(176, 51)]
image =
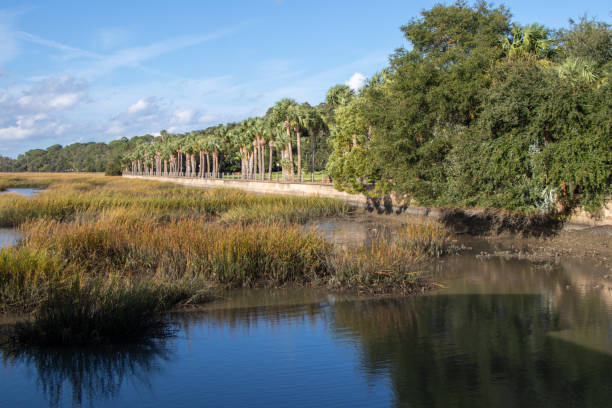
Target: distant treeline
[(81, 157)]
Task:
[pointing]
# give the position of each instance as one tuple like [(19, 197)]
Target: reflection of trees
[(244, 309), (92, 373), (474, 350)]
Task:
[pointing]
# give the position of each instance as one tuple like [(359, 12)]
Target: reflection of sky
[(258, 360), (8, 237), (28, 192)]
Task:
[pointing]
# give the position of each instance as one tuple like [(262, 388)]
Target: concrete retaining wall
[(386, 205), (266, 187)]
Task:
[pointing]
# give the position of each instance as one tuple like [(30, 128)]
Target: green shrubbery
[(482, 113)]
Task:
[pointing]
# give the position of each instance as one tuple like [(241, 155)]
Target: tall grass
[(95, 311), (25, 275), (67, 197), (391, 264), (230, 255)]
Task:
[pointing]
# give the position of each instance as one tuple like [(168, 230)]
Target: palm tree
[(280, 113), (260, 125), (528, 41), (295, 117), (314, 123), (189, 148), (281, 141), (215, 144), (578, 70)]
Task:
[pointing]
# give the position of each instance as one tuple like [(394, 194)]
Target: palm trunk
[(291, 166), (201, 164), (299, 153), (284, 161), (314, 150), (216, 164), (262, 154), (271, 144), (255, 158)]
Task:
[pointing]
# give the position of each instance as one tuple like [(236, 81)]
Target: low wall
[(266, 187), (386, 205)]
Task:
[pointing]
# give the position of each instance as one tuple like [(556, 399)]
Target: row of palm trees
[(198, 153)]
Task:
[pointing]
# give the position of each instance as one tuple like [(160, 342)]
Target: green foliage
[(81, 157), (483, 113)]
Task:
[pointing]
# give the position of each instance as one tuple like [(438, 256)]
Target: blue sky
[(77, 71)]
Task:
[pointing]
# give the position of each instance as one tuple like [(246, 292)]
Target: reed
[(25, 275), (95, 311), (391, 264), (230, 255), (65, 198)]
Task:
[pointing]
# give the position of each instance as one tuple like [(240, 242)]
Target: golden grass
[(71, 194)]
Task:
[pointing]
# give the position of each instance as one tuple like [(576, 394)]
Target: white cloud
[(139, 106), (15, 133), (58, 93), (65, 101), (357, 81), (38, 111), (183, 117)]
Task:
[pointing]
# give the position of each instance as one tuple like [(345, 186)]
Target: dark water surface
[(498, 333)]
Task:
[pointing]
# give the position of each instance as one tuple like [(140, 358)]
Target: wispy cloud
[(9, 46), (126, 57), (68, 51)]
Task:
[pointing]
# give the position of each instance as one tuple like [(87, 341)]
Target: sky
[(80, 71)]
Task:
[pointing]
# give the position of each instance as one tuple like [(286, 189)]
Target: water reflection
[(28, 192), (475, 350), (87, 376), (9, 237), (501, 333)]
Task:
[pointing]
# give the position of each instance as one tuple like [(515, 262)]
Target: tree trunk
[(298, 132), (262, 154), (216, 164), (314, 150), (271, 144)]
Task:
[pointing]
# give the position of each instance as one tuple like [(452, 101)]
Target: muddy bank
[(470, 237)]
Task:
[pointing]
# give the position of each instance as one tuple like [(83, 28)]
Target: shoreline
[(486, 219)]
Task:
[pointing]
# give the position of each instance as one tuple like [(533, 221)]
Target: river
[(497, 333)]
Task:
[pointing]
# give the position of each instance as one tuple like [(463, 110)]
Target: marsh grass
[(65, 197), (391, 264), (234, 255), (25, 275), (103, 258), (95, 311)]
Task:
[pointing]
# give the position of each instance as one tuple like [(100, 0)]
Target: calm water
[(28, 192), (8, 237), (497, 334)]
